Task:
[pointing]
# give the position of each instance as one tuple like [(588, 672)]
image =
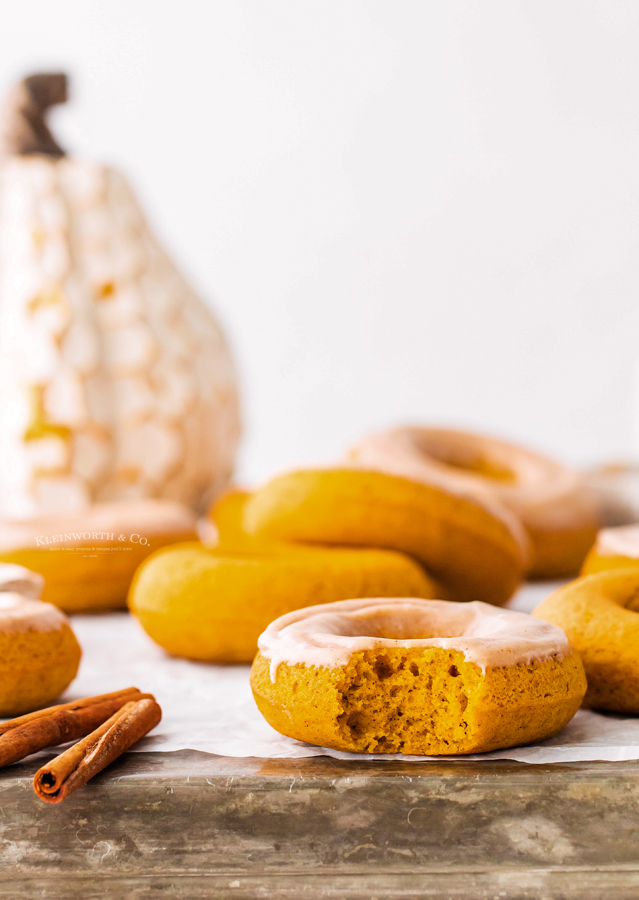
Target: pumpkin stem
[(23, 129)]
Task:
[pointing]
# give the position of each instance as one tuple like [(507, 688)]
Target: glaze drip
[(329, 635), (19, 614)]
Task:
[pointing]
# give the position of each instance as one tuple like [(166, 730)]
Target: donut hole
[(466, 459), (631, 603), (483, 467), (391, 624)]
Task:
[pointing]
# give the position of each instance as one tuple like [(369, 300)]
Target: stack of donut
[(212, 603), (471, 549), (318, 536), (413, 512), (552, 503)]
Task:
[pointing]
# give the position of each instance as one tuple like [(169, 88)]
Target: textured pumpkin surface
[(472, 554), (600, 615), (213, 605), (35, 667), (418, 701), (115, 379)]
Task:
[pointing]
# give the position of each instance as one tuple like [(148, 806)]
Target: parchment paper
[(210, 708)]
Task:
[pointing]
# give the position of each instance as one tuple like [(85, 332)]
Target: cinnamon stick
[(73, 768), (58, 724)]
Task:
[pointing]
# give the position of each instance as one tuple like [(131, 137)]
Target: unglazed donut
[(39, 653), (600, 615), (472, 554), (226, 515), (415, 676), (615, 548), (88, 559), (213, 604), (555, 507)]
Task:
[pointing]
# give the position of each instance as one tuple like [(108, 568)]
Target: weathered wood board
[(192, 825)]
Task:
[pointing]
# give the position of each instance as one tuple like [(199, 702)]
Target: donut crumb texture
[(422, 701)]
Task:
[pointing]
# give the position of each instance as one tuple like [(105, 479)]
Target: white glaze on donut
[(542, 492), (622, 541), (328, 635), (18, 580), (19, 614)]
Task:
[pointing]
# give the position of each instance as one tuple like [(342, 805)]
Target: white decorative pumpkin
[(115, 379)]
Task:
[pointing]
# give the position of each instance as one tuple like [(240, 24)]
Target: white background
[(421, 211)]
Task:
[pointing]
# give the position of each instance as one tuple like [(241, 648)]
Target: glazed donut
[(415, 676), (18, 580), (615, 548), (555, 507), (212, 605), (88, 558), (472, 554), (39, 653), (600, 615)]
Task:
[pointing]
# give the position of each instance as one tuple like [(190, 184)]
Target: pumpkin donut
[(88, 558), (555, 507), (39, 653), (615, 548), (600, 615), (415, 676), (226, 516), (213, 604), (472, 554)]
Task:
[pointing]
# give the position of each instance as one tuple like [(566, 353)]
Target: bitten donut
[(615, 548), (472, 553), (213, 604), (552, 502), (600, 615), (415, 676), (88, 558), (39, 653)]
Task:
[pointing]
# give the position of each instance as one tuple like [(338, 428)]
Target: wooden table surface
[(192, 825)]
